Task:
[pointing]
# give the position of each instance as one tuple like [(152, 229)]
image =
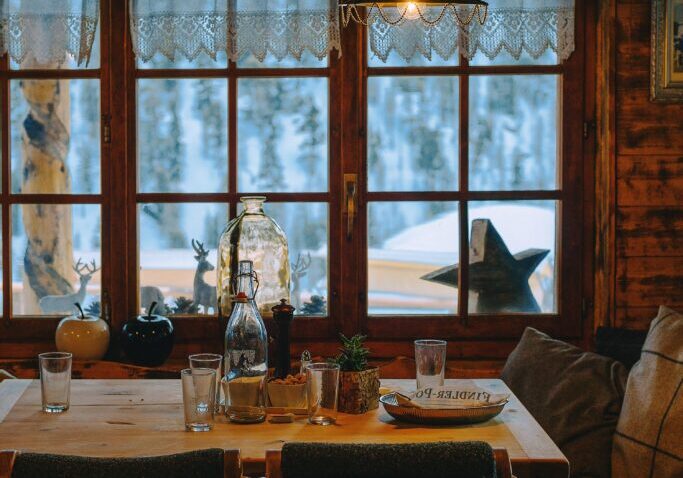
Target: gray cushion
[(649, 438), (575, 396), (436, 460), (196, 464)]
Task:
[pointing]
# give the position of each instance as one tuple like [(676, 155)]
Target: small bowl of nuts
[(288, 392)]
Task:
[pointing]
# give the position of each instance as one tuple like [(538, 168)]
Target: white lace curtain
[(187, 28), (48, 32), (512, 26)]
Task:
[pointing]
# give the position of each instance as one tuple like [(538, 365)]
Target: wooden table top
[(145, 417)]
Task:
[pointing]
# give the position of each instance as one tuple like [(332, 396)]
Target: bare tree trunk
[(46, 130)]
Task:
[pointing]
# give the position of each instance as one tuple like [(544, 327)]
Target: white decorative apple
[(85, 336)]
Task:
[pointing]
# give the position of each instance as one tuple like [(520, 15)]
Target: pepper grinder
[(283, 314)]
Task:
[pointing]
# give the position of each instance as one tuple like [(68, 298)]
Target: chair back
[(212, 463), (503, 466), (6, 462)]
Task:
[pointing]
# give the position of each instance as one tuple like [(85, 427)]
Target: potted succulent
[(358, 383)]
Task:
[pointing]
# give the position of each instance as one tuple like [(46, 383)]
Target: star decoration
[(499, 281)]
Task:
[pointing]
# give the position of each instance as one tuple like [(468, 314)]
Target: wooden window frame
[(476, 335), (28, 335), (574, 219)]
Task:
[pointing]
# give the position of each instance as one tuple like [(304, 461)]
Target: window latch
[(106, 129), (350, 202)]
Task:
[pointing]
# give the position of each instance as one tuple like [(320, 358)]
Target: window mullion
[(463, 187), (6, 185), (353, 282)]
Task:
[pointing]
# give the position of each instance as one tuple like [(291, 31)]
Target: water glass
[(322, 387), (55, 381), (199, 398), (430, 362), (212, 361)]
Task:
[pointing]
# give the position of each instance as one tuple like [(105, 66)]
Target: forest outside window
[(414, 134), (280, 127)]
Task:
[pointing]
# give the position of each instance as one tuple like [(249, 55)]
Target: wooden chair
[(232, 466), (274, 460)]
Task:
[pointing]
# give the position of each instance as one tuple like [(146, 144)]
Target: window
[(147, 162), (210, 133), (475, 159), (53, 201)]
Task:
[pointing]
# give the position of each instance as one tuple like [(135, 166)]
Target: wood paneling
[(649, 177), (647, 281), (649, 231)]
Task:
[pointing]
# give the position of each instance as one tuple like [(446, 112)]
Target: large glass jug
[(254, 236)]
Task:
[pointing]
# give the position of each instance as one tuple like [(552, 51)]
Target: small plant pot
[(359, 391)]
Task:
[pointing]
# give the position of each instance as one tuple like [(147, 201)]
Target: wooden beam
[(605, 168)]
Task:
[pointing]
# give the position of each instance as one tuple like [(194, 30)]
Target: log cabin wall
[(649, 180)]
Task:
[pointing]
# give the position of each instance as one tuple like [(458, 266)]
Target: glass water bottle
[(256, 237), (246, 353)]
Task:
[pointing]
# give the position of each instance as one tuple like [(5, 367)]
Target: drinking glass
[(322, 385), (55, 381), (212, 361), (199, 398), (430, 361)]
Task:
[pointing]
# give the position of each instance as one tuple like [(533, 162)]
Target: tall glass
[(322, 386), (55, 381), (199, 398), (430, 362), (212, 361)]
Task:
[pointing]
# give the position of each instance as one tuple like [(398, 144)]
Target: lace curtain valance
[(48, 32), (188, 28), (512, 26)]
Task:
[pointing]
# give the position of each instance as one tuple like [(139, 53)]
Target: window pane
[(306, 226), (168, 267), (55, 129), (549, 57), (159, 61), (408, 243), (49, 241), (182, 135), (307, 61), (70, 63), (513, 132), (413, 133), (527, 230), (282, 134)]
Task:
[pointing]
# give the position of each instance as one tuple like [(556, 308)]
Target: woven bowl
[(442, 416)]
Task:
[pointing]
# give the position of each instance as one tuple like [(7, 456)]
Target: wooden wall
[(649, 179)]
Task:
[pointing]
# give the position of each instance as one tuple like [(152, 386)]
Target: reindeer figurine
[(204, 294), (64, 304), (299, 270)]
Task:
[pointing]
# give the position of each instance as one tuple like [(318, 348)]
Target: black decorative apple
[(147, 339)]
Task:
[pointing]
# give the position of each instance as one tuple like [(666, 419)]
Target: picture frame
[(666, 68)]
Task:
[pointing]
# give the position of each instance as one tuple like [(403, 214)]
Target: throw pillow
[(649, 438), (574, 395)]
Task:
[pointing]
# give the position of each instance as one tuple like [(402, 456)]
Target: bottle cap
[(241, 297), (283, 308)]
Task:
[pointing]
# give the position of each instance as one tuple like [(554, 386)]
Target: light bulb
[(412, 10)]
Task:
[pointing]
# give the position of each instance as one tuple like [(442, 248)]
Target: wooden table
[(145, 417)]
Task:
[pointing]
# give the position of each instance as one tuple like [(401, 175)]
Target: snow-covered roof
[(521, 227)]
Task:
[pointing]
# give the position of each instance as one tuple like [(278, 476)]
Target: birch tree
[(45, 133)]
